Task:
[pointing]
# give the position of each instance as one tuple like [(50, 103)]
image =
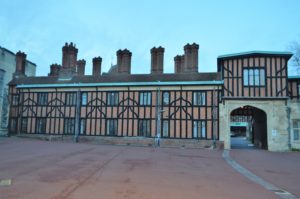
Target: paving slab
[(55, 170), (279, 168)]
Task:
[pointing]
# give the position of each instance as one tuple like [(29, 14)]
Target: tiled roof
[(118, 78)]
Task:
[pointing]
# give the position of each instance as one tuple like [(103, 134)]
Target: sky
[(100, 28)]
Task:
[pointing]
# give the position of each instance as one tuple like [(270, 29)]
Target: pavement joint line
[(254, 178)]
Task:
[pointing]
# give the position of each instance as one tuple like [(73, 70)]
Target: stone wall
[(295, 114), (277, 121)]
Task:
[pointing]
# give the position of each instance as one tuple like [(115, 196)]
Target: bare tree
[(295, 48)]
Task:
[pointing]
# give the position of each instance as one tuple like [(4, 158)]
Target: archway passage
[(248, 128)]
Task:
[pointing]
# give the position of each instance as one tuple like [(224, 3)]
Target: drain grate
[(5, 182), (279, 191)]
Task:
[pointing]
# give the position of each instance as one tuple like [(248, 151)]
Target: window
[(15, 100), (84, 99), (2, 73), (165, 129), (71, 99), (144, 128), (199, 98), (24, 125), (42, 99), (111, 127), (254, 77), (69, 126), (145, 98), (166, 98), (13, 125), (199, 130), (41, 125), (112, 98), (298, 89), (296, 129), (82, 126)]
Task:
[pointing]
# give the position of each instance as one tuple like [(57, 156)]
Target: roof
[(10, 52), (259, 53), (290, 77), (120, 80)]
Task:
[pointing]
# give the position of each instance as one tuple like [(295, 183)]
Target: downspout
[(77, 116), (158, 119), (288, 110)]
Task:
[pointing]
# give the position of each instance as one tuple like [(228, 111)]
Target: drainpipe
[(288, 110), (77, 116), (158, 118)]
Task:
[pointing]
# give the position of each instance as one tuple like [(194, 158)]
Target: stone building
[(7, 68), (186, 108)]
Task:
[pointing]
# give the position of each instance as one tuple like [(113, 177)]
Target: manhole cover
[(5, 182)]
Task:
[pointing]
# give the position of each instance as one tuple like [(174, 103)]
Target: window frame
[(24, 127), (84, 98), (15, 100), (41, 124), (165, 102), (42, 99), (112, 98), (254, 77), (69, 126), (199, 102), (167, 128), (82, 130), (196, 128), (144, 128), (145, 98), (114, 124), (296, 128), (70, 98)]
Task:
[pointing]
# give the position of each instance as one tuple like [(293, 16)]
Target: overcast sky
[(100, 28)]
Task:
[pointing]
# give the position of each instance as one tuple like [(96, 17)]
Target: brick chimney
[(97, 66), (80, 67), (191, 58), (187, 58), (157, 60), (54, 70), (69, 61), (124, 61), (194, 57), (20, 65), (177, 64), (69, 56)]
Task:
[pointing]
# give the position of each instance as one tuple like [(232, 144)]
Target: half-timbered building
[(186, 108)]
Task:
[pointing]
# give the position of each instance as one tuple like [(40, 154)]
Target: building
[(7, 68), (185, 108)]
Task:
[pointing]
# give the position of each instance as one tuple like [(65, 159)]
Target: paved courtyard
[(40, 169)]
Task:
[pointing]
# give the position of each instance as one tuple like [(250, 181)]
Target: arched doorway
[(248, 128)]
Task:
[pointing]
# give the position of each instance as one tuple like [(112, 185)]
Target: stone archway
[(248, 127)]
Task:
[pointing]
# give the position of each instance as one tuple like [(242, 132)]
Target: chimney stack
[(80, 67), (194, 58), (97, 66), (191, 58), (124, 61), (157, 60), (69, 56), (20, 64), (177, 64), (54, 70)]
